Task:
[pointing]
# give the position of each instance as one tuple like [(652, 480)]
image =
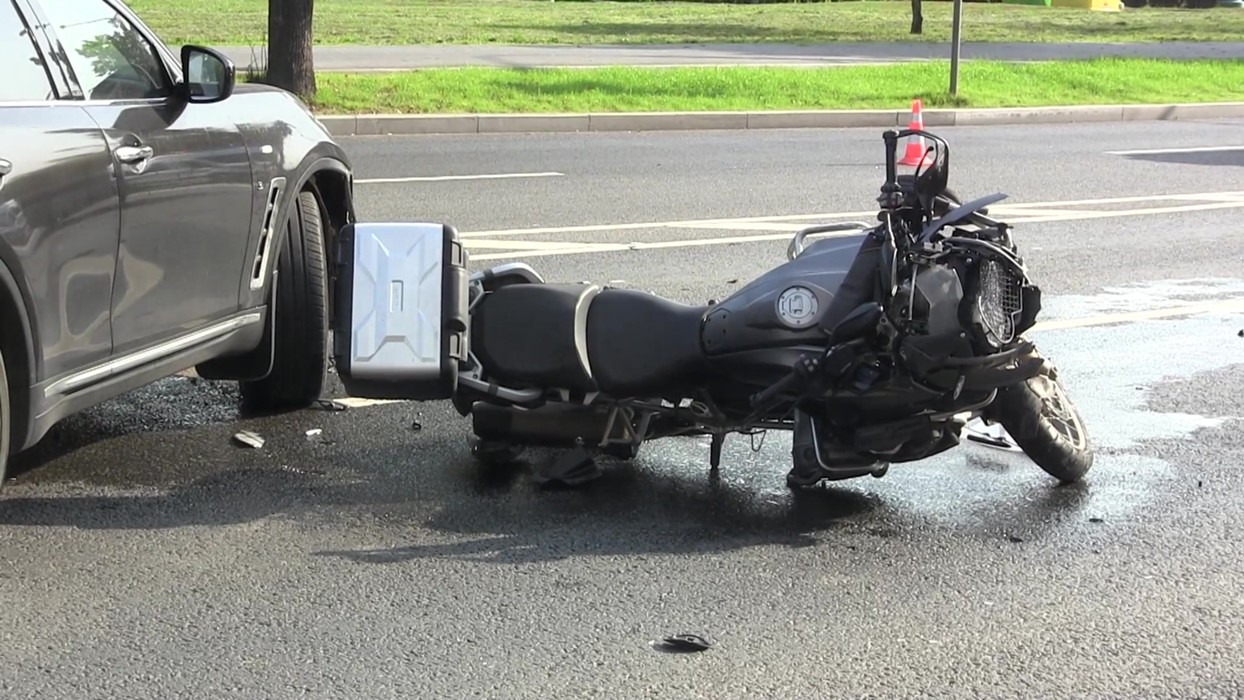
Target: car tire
[(5, 412), (301, 343)]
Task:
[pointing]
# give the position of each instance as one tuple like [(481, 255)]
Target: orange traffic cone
[(917, 154)]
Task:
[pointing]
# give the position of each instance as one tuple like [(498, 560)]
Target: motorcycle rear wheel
[(1043, 421)]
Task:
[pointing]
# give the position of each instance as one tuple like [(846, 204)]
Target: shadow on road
[(171, 404), (630, 510), (424, 489), (1211, 158)]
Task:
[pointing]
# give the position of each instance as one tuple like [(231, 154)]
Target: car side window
[(25, 75), (109, 56)]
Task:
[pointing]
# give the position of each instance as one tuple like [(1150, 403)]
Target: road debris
[(1015, 539), (314, 431), (574, 467), (682, 644), (331, 405), (994, 435), (249, 439)]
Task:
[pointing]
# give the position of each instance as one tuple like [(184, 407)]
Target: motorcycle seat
[(535, 335), (583, 338), (641, 345)]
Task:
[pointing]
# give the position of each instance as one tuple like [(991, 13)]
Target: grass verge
[(396, 22), (981, 84)]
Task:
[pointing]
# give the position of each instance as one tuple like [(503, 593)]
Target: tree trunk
[(290, 64), (917, 17)]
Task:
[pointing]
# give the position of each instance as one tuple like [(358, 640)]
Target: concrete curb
[(400, 124)]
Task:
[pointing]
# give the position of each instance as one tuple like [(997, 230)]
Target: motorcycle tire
[(1043, 421)]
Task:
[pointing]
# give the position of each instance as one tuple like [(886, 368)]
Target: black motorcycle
[(875, 345)]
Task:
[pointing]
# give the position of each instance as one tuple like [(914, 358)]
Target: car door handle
[(133, 154)]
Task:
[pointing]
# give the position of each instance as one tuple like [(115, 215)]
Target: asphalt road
[(143, 555), (368, 58)]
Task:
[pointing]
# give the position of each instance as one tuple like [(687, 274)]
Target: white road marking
[(685, 223), (1027, 212), (525, 245), (1224, 196), (1118, 213), (570, 248), (1193, 149), (784, 226), (358, 402), (446, 178), (1221, 305)]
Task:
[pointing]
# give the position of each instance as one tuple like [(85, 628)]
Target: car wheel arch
[(329, 180), (17, 343)]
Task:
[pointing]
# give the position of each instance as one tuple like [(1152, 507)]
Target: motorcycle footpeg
[(571, 468)]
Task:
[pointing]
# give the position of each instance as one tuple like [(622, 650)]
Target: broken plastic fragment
[(990, 435), (574, 467), (314, 431), (249, 439), (683, 644), (329, 405)]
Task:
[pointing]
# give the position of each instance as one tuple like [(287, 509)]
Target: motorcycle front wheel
[(1043, 421)]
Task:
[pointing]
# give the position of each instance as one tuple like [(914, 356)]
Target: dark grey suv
[(154, 217)]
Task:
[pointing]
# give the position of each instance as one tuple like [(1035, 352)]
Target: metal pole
[(955, 36)]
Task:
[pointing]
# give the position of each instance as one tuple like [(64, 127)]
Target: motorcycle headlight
[(999, 302)]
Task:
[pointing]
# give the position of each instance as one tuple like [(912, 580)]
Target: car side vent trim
[(267, 234)]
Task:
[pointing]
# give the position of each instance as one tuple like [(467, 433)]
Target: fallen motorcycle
[(874, 345)]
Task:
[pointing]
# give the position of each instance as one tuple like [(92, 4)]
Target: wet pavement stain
[(1125, 378)]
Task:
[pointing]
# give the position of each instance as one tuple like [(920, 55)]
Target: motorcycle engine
[(961, 305)]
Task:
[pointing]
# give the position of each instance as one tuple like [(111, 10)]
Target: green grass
[(244, 22), (981, 84)]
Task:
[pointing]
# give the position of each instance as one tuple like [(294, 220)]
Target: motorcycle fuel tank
[(798, 302)]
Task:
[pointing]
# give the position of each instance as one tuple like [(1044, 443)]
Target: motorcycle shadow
[(632, 508)]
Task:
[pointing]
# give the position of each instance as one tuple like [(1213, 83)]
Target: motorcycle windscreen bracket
[(400, 310)]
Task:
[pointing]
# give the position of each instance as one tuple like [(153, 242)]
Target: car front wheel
[(300, 357)]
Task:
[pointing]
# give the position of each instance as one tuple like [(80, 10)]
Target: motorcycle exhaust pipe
[(551, 425)]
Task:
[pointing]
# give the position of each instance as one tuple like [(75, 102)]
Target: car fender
[(19, 341)]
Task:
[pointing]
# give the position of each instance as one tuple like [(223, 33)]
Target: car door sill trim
[(148, 355)]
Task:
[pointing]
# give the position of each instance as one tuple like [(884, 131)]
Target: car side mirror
[(208, 75)]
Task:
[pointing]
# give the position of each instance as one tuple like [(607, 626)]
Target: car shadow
[(170, 404)]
